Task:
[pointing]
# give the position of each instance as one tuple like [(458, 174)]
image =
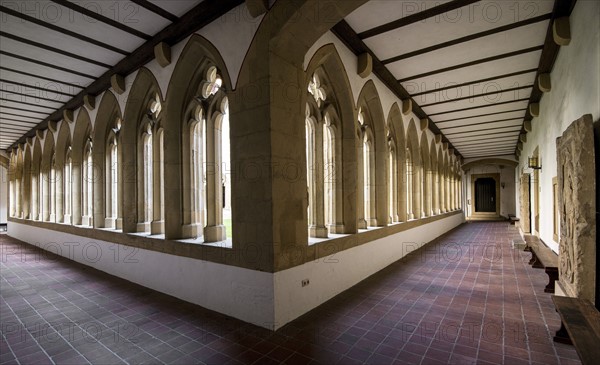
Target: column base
[(109, 223), (52, 218), (410, 216), (67, 219), (86, 220), (372, 222), (143, 227), (157, 227), (336, 228), (119, 223), (318, 231), (362, 224), (191, 230), (214, 233)]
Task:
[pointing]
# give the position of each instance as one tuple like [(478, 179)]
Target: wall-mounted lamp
[(534, 163), (502, 185)]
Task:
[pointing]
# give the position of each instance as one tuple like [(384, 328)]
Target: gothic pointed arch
[(369, 104), (435, 182), (194, 118), (445, 182), (83, 171), (48, 182), (63, 174), (413, 166), (425, 177), (396, 127), (19, 179), (36, 180), (106, 156), (329, 144), (142, 181), (27, 167), (440, 168)]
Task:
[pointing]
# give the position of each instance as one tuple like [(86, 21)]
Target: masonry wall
[(575, 92)]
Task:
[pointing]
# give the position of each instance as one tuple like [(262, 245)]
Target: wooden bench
[(512, 219), (542, 257), (580, 326)]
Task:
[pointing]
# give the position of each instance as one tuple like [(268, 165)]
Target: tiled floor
[(466, 298)]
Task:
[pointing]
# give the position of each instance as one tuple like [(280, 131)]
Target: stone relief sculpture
[(576, 192), (566, 245)]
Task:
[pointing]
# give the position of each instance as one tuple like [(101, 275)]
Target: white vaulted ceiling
[(52, 50), (469, 65)]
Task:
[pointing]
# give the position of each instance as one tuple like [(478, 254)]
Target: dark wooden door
[(485, 195)]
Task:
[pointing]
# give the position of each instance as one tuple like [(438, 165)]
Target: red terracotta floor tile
[(465, 298)]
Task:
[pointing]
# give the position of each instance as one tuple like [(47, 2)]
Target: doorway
[(485, 195)]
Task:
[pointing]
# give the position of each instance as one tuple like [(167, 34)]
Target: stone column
[(360, 183), (317, 227), (45, 213), (214, 230), (157, 226), (267, 129)]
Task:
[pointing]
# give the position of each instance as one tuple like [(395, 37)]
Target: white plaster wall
[(237, 292), (575, 92), (264, 299), (332, 275), (507, 194), (3, 194)]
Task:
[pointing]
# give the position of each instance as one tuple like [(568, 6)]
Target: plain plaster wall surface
[(575, 92), (334, 274), (268, 300)]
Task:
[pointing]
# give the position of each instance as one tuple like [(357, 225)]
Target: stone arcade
[(259, 158)]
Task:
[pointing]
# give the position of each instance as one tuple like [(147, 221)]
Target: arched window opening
[(158, 185), (392, 182), (34, 200), (409, 183), (208, 163), (88, 186), (151, 170), (52, 192), (148, 165), (362, 175), (329, 173), (310, 171), (367, 179), (197, 166), (320, 155), (113, 193), (226, 169), (11, 188), (68, 186)]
